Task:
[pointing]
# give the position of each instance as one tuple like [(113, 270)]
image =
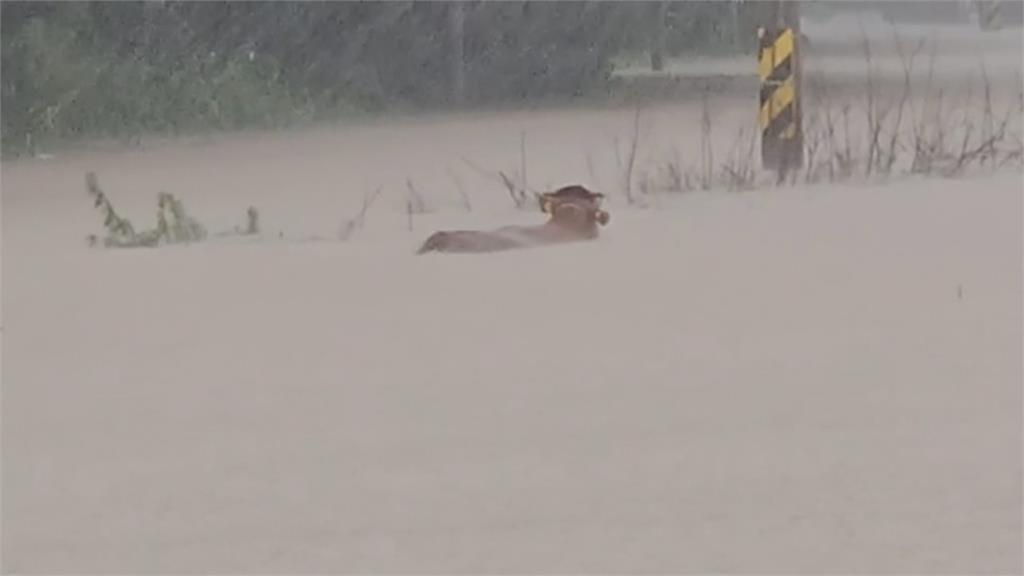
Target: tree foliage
[(73, 69)]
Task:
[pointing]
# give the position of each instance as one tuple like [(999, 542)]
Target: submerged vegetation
[(173, 223)]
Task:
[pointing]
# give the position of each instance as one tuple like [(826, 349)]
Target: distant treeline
[(115, 69)]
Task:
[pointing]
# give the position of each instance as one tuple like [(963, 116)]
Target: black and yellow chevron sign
[(779, 117)]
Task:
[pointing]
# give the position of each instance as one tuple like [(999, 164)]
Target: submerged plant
[(119, 230), (252, 221), (173, 224)]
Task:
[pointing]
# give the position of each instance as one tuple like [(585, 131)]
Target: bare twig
[(845, 157), (929, 145), (631, 161), (522, 160), (988, 127), (518, 193), (673, 173), (590, 169), (706, 153), (359, 220), (986, 149), (875, 115), (812, 137), (738, 172), (830, 129), (461, 189), (968, 130), (908, 66), (416, 200), (644, 184), (489, 174)]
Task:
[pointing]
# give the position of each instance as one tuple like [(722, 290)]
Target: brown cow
[(575, 216)]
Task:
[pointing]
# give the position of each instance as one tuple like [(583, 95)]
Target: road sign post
[(779, 69)]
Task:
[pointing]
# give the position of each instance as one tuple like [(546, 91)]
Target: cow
[(575, 215)]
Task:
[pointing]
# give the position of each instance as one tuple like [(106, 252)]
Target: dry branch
[(631, 160), (359, 220), (461, 189)]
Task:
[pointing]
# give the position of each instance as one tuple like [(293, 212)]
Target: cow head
[(574, 203)]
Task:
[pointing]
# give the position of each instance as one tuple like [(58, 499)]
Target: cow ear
[(547, 203)]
